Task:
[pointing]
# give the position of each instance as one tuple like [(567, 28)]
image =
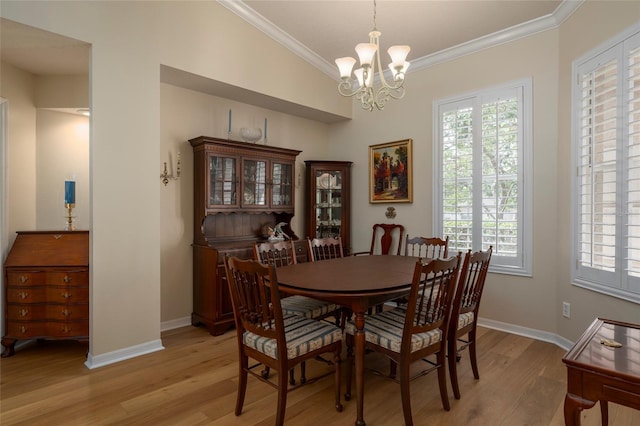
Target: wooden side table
[(597, 371)]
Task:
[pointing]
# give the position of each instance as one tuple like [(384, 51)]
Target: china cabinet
[(46, 293), (240, 191), (328, 199)]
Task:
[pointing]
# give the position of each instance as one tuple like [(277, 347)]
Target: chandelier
[(369, 55)]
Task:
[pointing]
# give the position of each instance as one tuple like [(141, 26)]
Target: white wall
[(19, 88), (62, 153), (589, 27)]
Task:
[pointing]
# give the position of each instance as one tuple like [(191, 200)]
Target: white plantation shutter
[(480, 154), (633, 165), (606, 141), (457, 175)]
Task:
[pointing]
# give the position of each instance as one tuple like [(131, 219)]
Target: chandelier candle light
[(369, 55), (69, 203)]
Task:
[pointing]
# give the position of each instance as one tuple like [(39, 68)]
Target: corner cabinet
[(240, 189), (328, 200), (46, 293)]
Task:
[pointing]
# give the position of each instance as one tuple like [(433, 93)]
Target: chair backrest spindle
[(427, 248), (278, 253), (325, 248)]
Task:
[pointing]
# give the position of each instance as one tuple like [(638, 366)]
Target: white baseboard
[(526, 332), (175, 323), (123, 354), (156, 345)]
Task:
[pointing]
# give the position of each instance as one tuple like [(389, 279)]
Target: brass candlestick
[(69, 225)]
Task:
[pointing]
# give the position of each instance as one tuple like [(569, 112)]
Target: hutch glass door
[(281, 184), (328, 203), (222, 181), (254, 185)]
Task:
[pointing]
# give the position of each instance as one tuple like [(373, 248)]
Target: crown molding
[(544, 23)]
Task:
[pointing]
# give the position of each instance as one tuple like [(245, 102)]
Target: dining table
[(354, 282)]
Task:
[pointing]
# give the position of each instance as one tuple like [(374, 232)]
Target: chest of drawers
[(46, 295)]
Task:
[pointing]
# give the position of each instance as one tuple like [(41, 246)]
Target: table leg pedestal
[(360, 350)]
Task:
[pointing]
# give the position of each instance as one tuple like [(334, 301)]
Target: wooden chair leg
[(243, 364), (282, 398), (265, 373), (405, 393), (472, 354), (452, 354), (392, 369), (303, 372), (442, 379), (292, 378)]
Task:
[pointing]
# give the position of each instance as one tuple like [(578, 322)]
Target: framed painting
[(390, 172)]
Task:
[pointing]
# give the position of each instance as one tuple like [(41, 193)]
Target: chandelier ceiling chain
[(369, 55)]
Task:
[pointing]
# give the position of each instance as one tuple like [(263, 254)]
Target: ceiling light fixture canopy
[(369, 55)]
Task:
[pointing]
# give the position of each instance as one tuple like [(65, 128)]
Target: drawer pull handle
[(23, 329), (66, 279), (23, 295), (57, 237), (23, 312), (23, 279), (66, 295), (66, 312), (66, 329)]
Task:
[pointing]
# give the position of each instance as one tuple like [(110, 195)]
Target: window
[(483, 157), (606, 157)]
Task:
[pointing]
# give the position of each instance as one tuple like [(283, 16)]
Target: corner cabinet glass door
[(328, 200), (222, 182), (281, 184), (328, 203)]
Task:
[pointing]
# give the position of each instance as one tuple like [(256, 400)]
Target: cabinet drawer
[(66, 312), (30, 329), (51, 277), (48, 294)]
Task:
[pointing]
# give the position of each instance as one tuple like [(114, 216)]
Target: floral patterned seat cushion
[(302, 335), (385, 330), (306, 307)]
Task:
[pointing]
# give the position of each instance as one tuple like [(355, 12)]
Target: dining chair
[(426, 248), (282, 253), (464, 313), (415, 332), (325, 248), (386, 239), (275, 340)]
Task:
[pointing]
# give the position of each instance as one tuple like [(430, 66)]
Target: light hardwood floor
[(193, 382)]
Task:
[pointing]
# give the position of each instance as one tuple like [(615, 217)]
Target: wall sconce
[(165, 176)]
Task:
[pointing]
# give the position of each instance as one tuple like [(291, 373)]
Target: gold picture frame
[(391, 172)]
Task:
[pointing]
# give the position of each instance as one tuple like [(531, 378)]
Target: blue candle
[(69, 192), (229, 120), (265, 128)]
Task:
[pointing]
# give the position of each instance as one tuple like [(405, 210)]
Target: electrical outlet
[(566, 309)]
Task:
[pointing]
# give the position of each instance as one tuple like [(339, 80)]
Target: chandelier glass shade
[(362, 87)]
